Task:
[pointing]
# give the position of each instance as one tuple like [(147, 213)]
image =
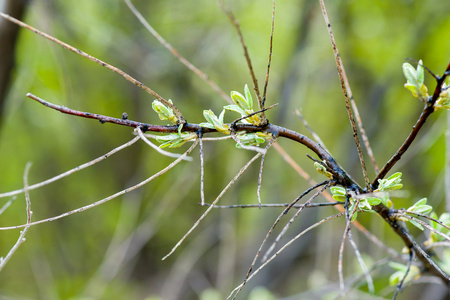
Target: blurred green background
[(114, 251)]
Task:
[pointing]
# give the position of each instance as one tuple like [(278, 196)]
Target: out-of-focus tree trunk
[(8, 39)]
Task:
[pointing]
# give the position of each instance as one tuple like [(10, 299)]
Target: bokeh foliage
[(72, 258)]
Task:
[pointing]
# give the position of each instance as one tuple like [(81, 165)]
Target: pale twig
[(169, 47), (423, 216), (447, 163), (247, 58), (212, 204), (270, 55), (277, 205), (348, 217), (361, 262), (98, 61), (251, 148), (71, 171), (288, 224), (159, 150), (284, 212), (344, 90), (4, 261), (426, 225), (202, 170), (258, 189), (408, 268), (104, 200), (7, 204), (239, 288)]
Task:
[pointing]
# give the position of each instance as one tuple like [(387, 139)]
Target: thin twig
[(408, 268), (285, 211), (239, 288), (278, 205), (247, 58), (344, 90), (258, 190), (288, 224), (212, 204), (361, 262), (71, 171), (159, 150), (100, 62), (426, 225), (104, 200), (4, 261), (7, 204), (423, 216), (270, 55), (348, 217), (202, 169), (169, 47)]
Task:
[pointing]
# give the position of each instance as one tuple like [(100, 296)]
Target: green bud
[(322, 170), (164, 112)]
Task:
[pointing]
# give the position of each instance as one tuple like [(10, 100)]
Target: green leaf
[(239, 100), (421, 207), (164, 112), (410, 74), (416, 224), (215, 122), (322, 170), (338, 192), (373, 200), (248, 97), (390, 184), (235, 108)]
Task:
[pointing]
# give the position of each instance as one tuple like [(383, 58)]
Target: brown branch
[(427, 111)]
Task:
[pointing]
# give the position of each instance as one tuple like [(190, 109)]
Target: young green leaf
[(338, 193), (421, 207), (322, 170), (414, 80), (215, 122), (164, 112)]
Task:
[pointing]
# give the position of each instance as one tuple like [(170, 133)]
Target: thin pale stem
[(212, 205), (71, 171), (21, 239), (104, 200), (202, 170), (277, 205), (239, 288), (285, 211), (348, 217), (247, 58), (159, 150), (361, 262), (288, 224), (270, 56), (258, 190)]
